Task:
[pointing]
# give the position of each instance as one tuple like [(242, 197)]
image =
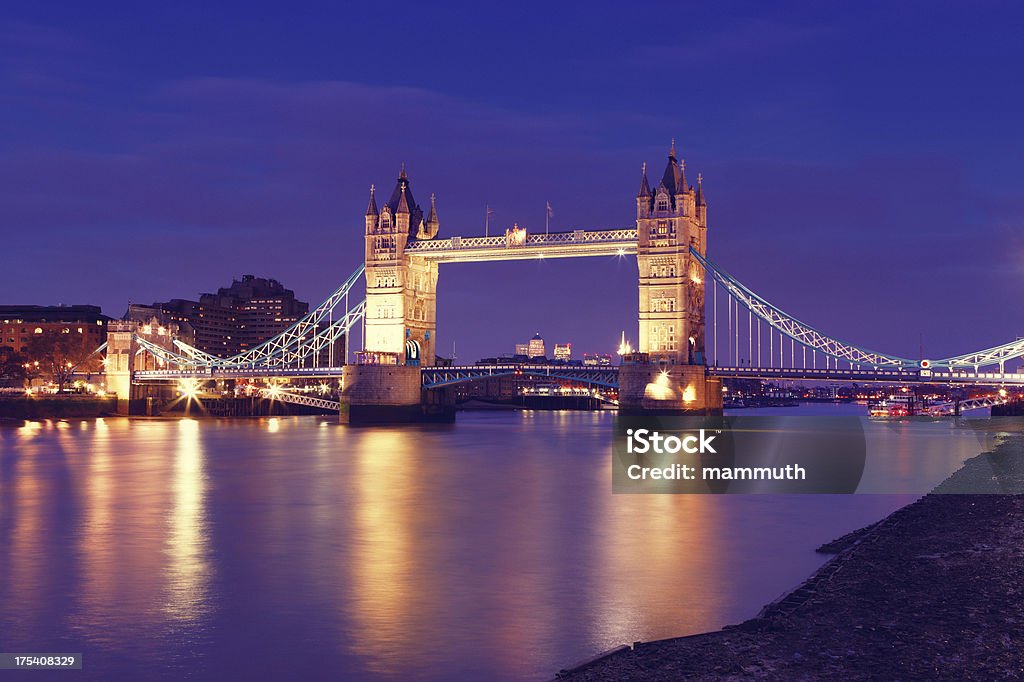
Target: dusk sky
[(862, 161)]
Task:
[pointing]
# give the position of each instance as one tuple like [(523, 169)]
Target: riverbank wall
[(57, 407), (89, 407)]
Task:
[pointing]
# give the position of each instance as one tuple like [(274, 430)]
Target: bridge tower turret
[(643, 197)]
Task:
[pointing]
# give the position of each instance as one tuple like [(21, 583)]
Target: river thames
[(296, 548)]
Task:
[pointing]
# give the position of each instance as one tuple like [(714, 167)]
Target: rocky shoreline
[(933, 591)]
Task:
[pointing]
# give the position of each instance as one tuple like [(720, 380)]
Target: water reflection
[(385, 585), (25, 503), (97, 537), (655, 544), (29, 430), (188, 570), (493, 549), (122, 534)]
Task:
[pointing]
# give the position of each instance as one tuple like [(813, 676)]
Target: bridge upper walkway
[(519, 245)]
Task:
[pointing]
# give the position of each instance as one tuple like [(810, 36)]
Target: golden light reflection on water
[(97, 544), (28, 508), (385, 583), (29, 430), (188, 569), (123, 532), (657, 549)]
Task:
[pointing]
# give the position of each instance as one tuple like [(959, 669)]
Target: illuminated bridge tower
[(401, 289), (401, 313), (668, 372)]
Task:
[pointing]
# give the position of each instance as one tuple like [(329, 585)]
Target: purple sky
[(862, 164)]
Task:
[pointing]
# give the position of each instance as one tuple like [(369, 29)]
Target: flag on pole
[(550, 211), (547, 217), (487, 221)]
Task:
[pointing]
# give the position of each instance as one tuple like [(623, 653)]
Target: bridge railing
[(300, 399), (746, 370), (509, 241), (238, 373), (948, 408), (598, 375)]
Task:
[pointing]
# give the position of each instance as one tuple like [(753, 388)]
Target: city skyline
[(826, 190)]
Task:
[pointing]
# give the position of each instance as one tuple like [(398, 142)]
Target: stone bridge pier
[(124, 359), (646, 388), (383, 394)]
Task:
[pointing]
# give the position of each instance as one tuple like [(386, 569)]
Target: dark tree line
[(51, 355), (13, 367)]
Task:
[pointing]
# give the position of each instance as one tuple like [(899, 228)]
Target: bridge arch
[(412, 352)]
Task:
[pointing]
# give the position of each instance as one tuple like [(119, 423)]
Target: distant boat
[(895, 407)]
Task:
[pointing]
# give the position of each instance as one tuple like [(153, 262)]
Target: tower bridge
[(688, 340)]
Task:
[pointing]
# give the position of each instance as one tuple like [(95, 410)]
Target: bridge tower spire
[(645, 187), (372, 214), (428, 228), (702, 203)]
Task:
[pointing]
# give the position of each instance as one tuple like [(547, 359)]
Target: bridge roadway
[(603, 375), (877, 375), (608, 375)]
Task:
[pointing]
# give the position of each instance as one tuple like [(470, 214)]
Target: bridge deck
[(882, 375), (523, 246), (604, 374)]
